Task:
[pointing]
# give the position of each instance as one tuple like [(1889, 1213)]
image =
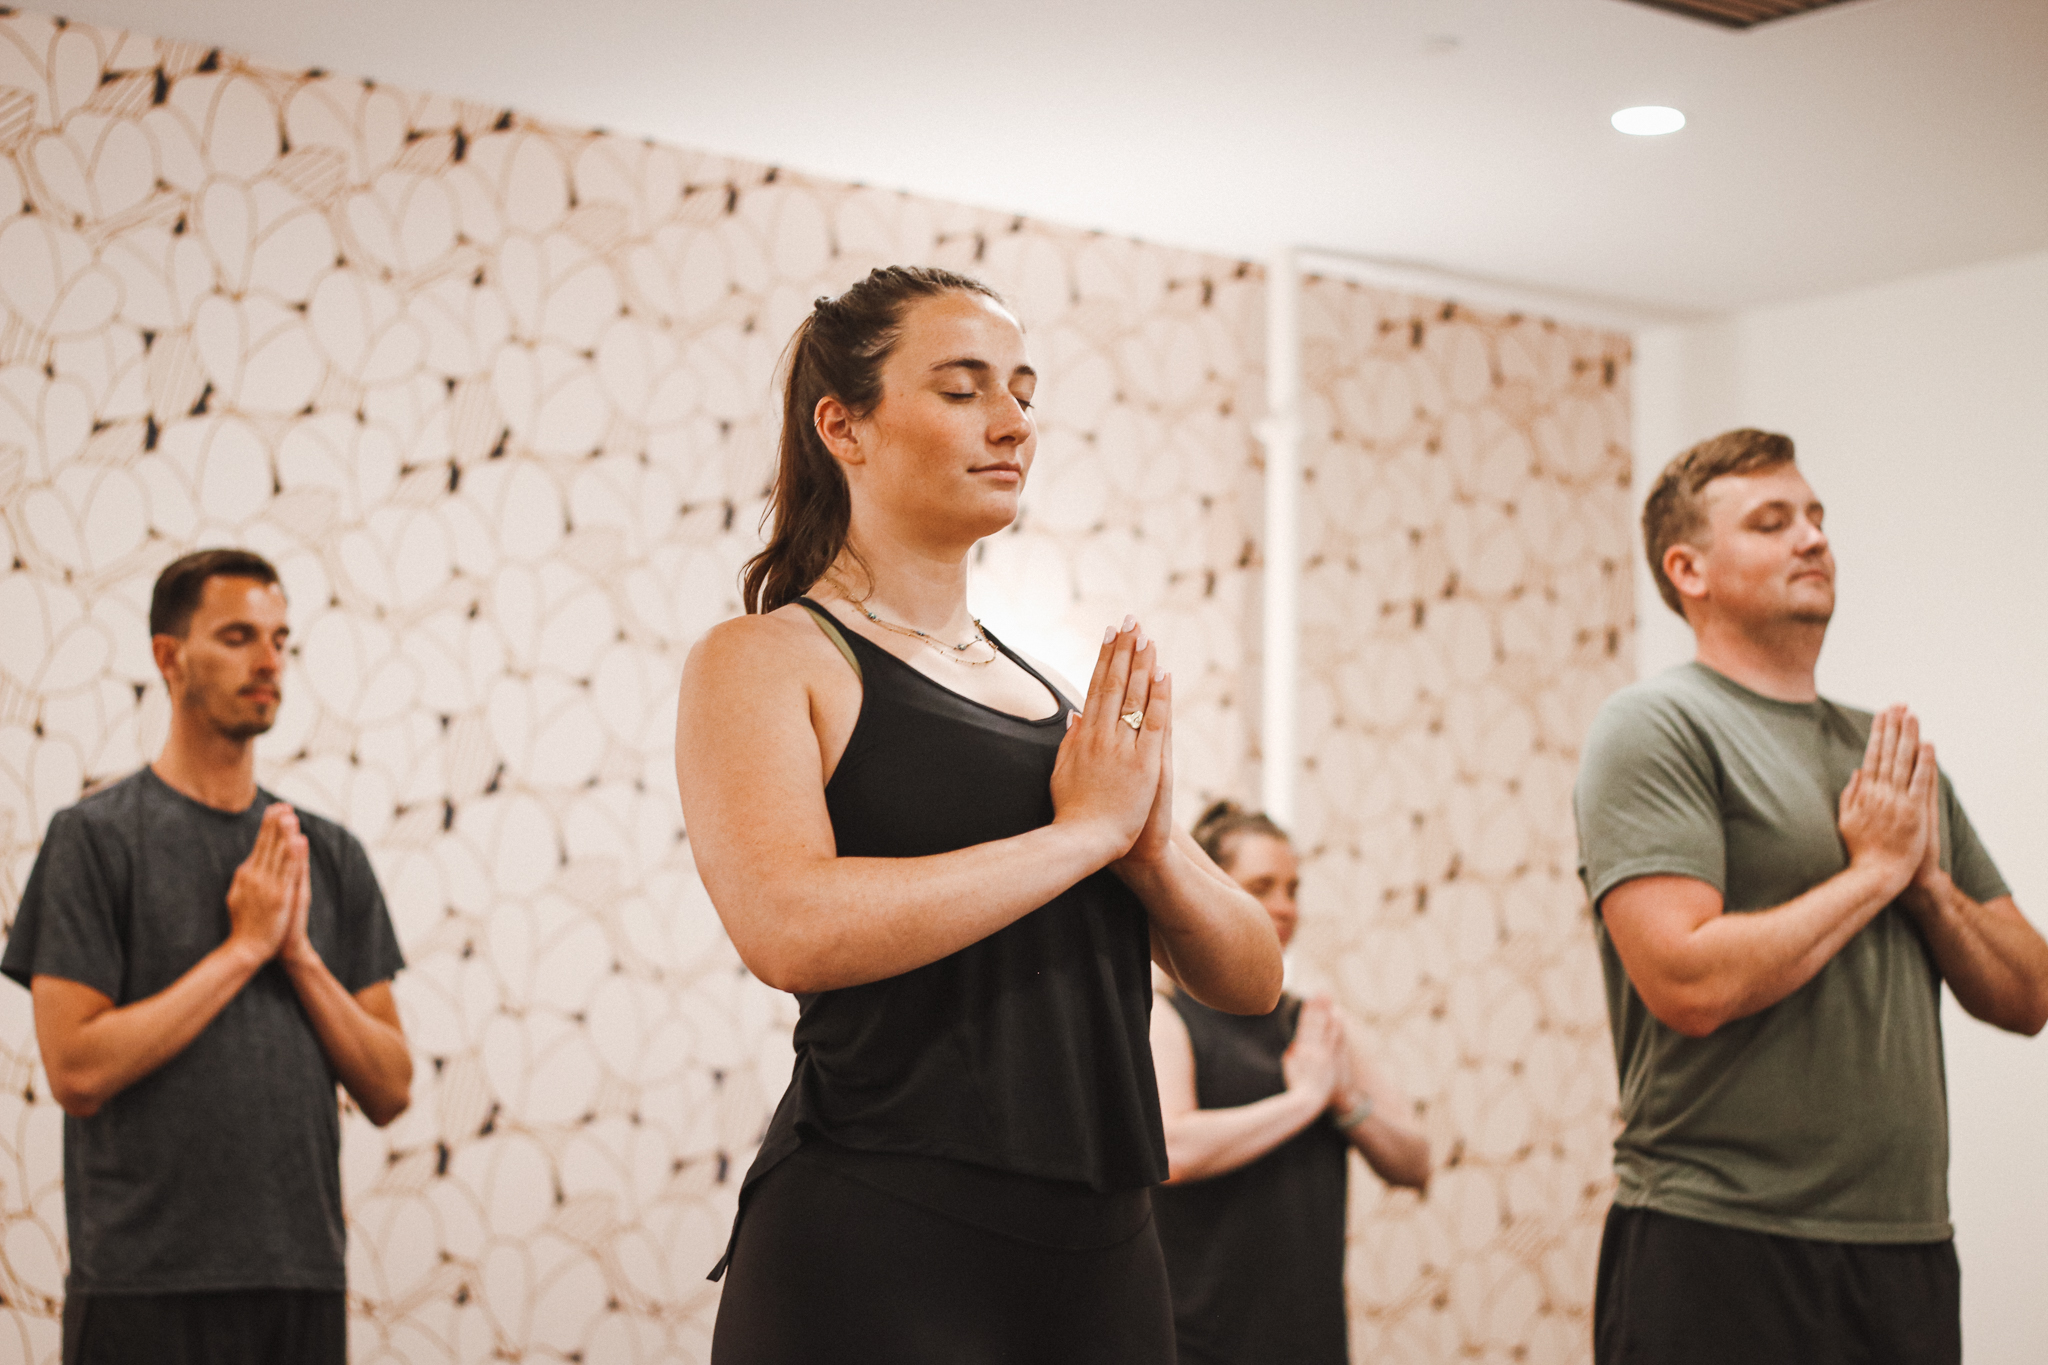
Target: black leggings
[(229, 1327), (829, 1268)]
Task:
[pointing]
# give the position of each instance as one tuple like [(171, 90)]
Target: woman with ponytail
[(960, 875), (1261, 1113)]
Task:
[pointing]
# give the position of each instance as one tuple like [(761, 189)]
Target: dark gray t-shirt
[(1824, 1115), (220, 1170)]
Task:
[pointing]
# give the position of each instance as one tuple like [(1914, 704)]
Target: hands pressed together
[(1890, 814), (1112, 775), (1321, 1059), (272, 892)]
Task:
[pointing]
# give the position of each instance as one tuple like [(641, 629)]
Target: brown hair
[(838, 352), (183, 582), (1675, 512), (1224, 823)]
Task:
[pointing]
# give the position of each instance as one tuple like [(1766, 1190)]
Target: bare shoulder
[(782, 644)]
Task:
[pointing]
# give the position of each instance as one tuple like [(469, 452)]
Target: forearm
[(1697, 967), (1201, 1143), (93, 1054), (1749, 962), (1397, 1151), (1994, 961), (368, 1054), (1387, 1138), (825, 923), (1208, 934)]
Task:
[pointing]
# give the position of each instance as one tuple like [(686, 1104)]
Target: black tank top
[(1256, 1255), (1025, 1053)]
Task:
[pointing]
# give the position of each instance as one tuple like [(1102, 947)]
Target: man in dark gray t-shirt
[(206, 963), (1781, 887)]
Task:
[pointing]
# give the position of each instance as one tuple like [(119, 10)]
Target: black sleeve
[(369, 945), (68, 923)]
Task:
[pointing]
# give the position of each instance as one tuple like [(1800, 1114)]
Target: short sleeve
[(1969, 863), (68, 923), (369, 945), (1647, 800)]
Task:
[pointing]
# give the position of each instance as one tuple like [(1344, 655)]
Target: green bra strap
[(831, 629)]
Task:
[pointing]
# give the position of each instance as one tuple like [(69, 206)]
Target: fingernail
[(1129, 621), (1143, 639), (1108, 634), (1160, 675)]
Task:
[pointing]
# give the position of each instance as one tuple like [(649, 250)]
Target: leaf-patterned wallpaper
[(1466, 605), (496, 397)]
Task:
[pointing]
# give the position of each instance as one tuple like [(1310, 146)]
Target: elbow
[(397, 1095), (390, 1095), (1693, 1015), (1262, 1000), (2037, 1013), (1693, 1008), (384, 1111), (77, 1105), (1691, 1023), (2032, 1017), (77, 1093), (1184, 1164), (802, 964), (1419, 1170), (1253, 991), (784, 971), (386, 1107)]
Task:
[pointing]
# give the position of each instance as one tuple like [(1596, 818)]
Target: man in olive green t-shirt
[(1781, 886)]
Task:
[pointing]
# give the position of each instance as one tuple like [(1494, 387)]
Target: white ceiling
[(1864, 142)]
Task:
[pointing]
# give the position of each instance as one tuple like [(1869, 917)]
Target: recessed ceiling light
[(1648, 120)]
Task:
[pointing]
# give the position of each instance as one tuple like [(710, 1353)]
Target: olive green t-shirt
[(1824, 1116)]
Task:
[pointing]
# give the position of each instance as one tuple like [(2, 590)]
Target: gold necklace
[(956, 653)]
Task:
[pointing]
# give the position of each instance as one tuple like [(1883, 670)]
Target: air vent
[(1738, 13)]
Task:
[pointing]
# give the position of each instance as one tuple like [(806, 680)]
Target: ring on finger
[(1135, 718)]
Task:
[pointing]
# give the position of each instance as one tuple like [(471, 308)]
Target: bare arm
[(1991, 957), (1697, 967), (1208, 933), (360, 1033), (1201, 1143), (1209, 936), (94, 1050), (752, 781), (1387, 1137)]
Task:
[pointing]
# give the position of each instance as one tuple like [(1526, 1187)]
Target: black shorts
[(833, 1265), (232, 1327), (1677, 1291)]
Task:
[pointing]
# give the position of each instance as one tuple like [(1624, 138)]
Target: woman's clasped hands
[(1114, 773)]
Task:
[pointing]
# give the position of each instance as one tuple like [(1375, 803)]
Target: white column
[(1280, 434)]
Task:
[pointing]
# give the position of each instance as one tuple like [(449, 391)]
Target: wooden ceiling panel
[(1738, 13)]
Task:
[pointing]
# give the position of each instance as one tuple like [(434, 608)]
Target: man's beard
[(239, 728)]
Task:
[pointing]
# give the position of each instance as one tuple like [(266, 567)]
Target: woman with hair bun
[(960, 875), (1260, 1114)]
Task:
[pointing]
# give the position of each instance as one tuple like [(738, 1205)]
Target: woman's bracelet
[(1355, 1115)]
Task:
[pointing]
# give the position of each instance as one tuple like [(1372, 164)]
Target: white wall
[(1920, 409)]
